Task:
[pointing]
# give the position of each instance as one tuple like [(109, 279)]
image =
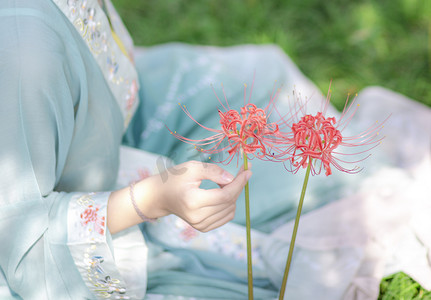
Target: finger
[(207, 214), (237, 185), (249, 164), (213, 198), (229, 193), (213, 172), (220, 222), (216, 220), (241, 169)]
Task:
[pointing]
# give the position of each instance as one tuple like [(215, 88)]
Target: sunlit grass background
[(354, 43)]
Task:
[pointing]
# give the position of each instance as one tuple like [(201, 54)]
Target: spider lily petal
[(247, 131), (318, 138)]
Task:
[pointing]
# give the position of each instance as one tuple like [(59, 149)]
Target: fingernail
[(227, 177), (248, 175)]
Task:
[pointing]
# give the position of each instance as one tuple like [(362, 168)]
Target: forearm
[(121, 212)]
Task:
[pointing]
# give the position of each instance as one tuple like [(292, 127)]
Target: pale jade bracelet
[(138, 211)]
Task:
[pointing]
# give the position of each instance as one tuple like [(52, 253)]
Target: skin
[(180, 195)]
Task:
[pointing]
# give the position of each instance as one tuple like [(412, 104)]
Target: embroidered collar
[(101, 32)]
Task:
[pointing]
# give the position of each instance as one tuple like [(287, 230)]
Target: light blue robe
[(60, 131)]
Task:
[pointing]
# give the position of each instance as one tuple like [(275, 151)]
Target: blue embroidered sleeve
[(60, 131)]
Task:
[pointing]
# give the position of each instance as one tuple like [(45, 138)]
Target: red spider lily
[(247, 131), (314, 143), (318, 139)]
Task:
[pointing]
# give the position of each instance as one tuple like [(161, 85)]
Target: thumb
[(238, 183), (215, 173)]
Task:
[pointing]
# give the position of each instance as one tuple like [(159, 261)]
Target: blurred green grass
[(401, 287), (354, 43)]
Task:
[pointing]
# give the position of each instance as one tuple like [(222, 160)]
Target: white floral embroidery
[(89, 249), (117, 67)]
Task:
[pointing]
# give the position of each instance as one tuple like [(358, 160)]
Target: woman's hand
[(177, 192)]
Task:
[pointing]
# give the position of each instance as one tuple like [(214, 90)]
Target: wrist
[(147, 194), (138, 211)]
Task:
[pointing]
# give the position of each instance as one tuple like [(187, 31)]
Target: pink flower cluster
[(314, 137), (319, 140), (91, 216), (296, 139), (248, 131)]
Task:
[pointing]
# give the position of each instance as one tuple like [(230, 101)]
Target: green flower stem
[(295, 230), (247, 225)]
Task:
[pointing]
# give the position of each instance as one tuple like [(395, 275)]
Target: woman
[(69, 89)]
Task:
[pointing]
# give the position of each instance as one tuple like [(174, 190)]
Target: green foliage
[(399, 286), (354, 43)]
